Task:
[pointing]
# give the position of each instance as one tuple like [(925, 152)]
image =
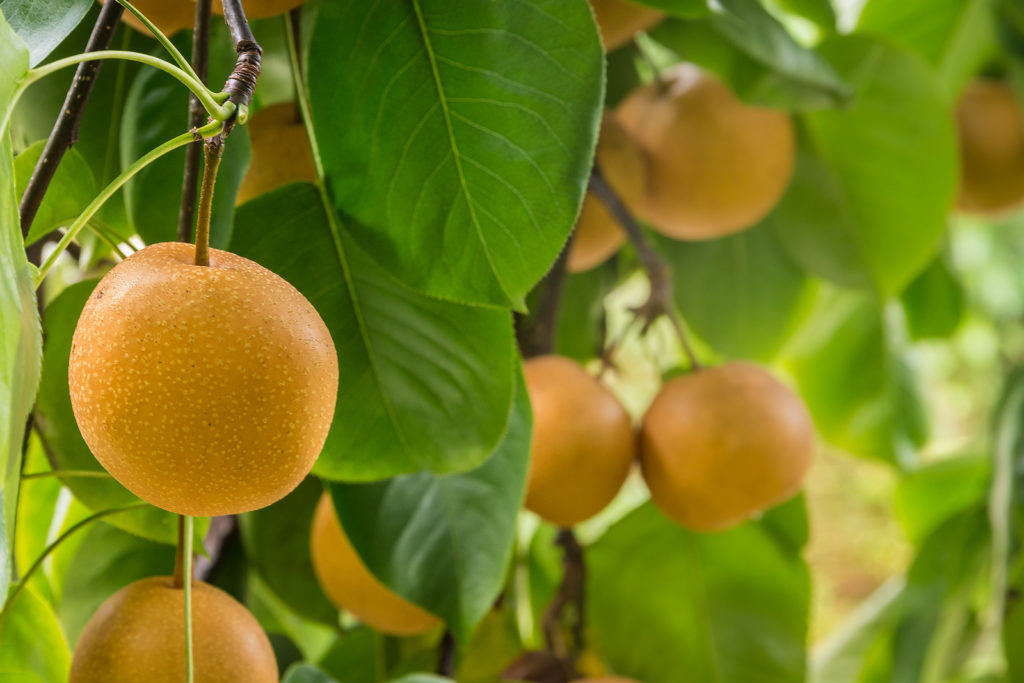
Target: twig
[(220, 538), (241, 84), (570, 595), (178, 579), (446, 655), (196, 117), (65, 129), (660, 302), (536, 333)]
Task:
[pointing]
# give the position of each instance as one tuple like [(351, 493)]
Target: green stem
[(53, 546), (66, 473), (218, 111), (106, 239), (187, 562), (209, 130), (163, 40)]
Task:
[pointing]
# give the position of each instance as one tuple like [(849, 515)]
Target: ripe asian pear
[(990, 123)]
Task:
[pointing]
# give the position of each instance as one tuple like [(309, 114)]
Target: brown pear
[(583, 442), (721, 444), (598, 234), (717, 165), (138, 635), (171, 16), (991, 130), (280, 151), (620, 20), (350, 585)]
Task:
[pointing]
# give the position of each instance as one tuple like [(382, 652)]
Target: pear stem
[(213, 150), (660, 301)]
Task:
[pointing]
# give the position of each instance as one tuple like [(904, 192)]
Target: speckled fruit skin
[(991, 132), (138, 635), (619, 20), (203, 390), (350, 585), (280, 151), (721, 444), (583, 442), (171, 16), (717, 165), (598, 234)]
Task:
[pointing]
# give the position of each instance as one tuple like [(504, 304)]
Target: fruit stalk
[(200, 63), (213, 150), (65, 129), (660, 301)]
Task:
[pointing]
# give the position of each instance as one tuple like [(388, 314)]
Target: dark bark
[(196, 118)]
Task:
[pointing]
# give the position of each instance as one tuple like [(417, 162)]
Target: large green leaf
[(874, 181), (107, 560), (303, 673), (730, 607), (155, 111), (932, 493), (742, 294), (31, 641), (820, 12), (424, 384), (457, 138), (277, 546), (70, 191), (65, 447), (43, 24), (955, 36), (20, 338), (934, 301), (461, 526), (857, 385)]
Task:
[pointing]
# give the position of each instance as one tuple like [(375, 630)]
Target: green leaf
[(43, 24), (422, 678), (20, 338), (461, 526), (155, 111), (730, 606), (820, 12), (686, 9), (874, 181), (106, 561), (457, 143), (65, 447), (933, 302), (31, 641), (956, 37), (303, 673), (852, 375), (424, 384), (70, 191), (280, 555), (742, 294), (933, 493)]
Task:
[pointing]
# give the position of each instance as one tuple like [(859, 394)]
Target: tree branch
[(570, 597), (241, 84), (661, 300), (196, 118), (446, 655), (536, 333), (65, 129), (220, 537)]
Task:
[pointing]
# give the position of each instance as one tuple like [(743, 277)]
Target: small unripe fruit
[(722, 444), (717, 165), (991, 130), (138, 635), (205, 390), (583, 442), (598, 234), (280, 151), (350, 585), (620, 20)]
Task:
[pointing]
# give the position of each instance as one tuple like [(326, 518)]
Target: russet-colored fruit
[(620, 20), (991, 131), (205, 390), (171, 16), (598, 235), (717, 165), (351, 586), (722, 444), (280, 151), (583, 442), (138, 635)]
